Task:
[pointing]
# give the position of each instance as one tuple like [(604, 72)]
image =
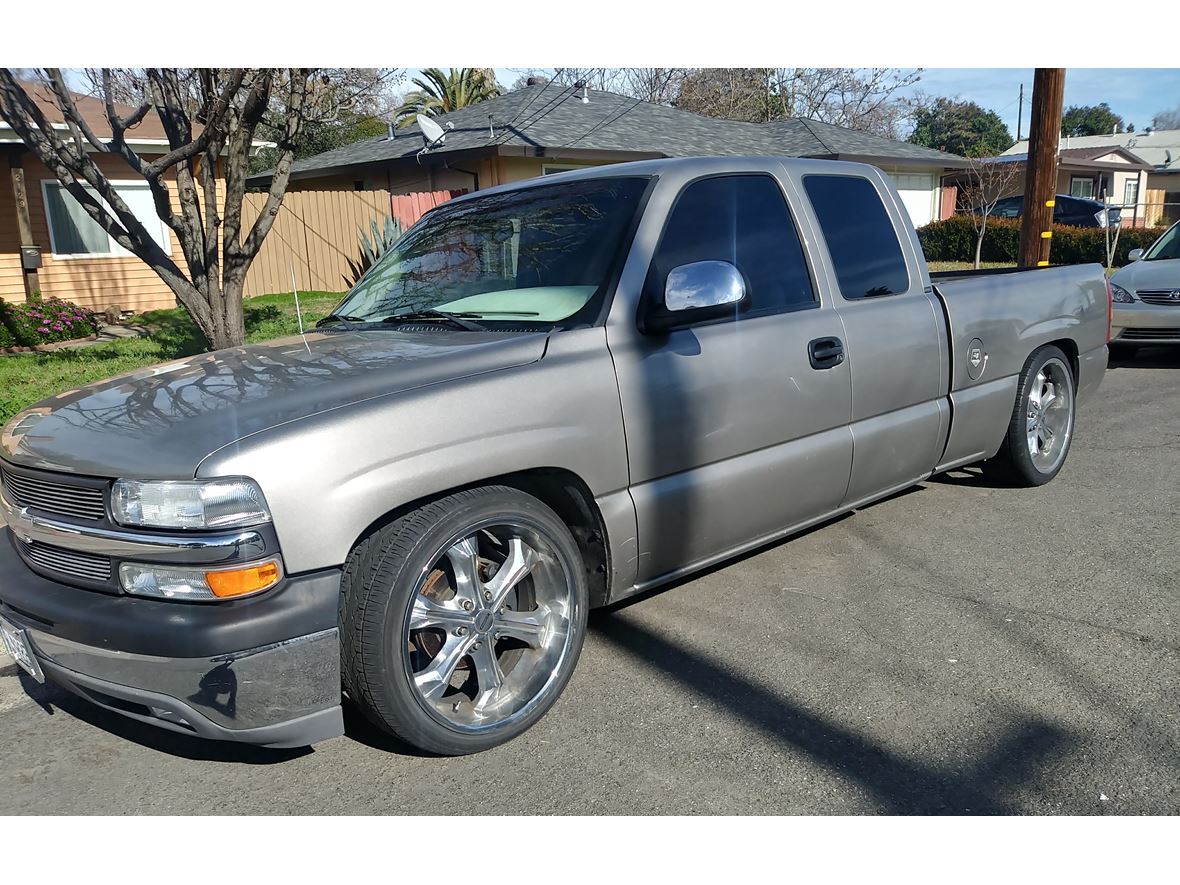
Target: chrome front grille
[(31, 490), (1169, 297), (67, 562), (1168, 334)]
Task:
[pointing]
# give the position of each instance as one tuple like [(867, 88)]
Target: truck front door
[(735, 431)]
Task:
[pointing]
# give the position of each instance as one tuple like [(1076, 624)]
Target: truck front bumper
[(261, 671)]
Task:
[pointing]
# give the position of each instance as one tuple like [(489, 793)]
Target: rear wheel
[(462, 621), (1041, 428)]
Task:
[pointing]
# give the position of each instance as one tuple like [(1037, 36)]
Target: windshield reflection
[(542, 255)]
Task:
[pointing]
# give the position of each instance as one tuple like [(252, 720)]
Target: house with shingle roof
[(50, 246), (548, 128), (1139, 172)]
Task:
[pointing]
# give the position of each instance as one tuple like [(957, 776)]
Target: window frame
[(1086, 178), (1127, 185), (890, 214), (555, 168), (119, 252), (650, 302)]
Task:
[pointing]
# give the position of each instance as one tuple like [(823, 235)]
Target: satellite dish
[(431, 131)]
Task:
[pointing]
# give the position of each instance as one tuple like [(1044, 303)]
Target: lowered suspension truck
[(545, 398)]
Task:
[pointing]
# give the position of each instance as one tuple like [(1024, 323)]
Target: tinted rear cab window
[(860, 234)]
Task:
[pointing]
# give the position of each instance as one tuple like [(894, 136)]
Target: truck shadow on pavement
[(899, 785)]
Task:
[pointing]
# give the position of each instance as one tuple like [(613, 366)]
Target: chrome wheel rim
[(489, 627), (1049, 415)]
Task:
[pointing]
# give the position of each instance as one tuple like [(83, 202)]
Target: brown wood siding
[(124, 282), (12, 284)]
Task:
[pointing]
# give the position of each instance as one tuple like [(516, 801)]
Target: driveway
[(957, 648)]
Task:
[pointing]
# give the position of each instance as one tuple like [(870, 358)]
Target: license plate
[(16, 643)]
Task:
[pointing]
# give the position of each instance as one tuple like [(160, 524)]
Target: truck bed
[(1003, 315)]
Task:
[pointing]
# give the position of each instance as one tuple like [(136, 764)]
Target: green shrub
[(43, 321), (953, 239)]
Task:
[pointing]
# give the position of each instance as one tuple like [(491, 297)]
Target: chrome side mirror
[(703, 284), (1135, 254)]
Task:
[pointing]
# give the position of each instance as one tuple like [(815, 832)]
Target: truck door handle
[(825, 353)]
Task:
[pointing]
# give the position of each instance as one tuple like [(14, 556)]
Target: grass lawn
[(939, 266), (26, 378)]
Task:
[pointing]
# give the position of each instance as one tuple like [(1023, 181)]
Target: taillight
[(1109, 309)]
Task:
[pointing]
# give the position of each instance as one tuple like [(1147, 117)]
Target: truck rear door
[(894, 328), (737, 428)]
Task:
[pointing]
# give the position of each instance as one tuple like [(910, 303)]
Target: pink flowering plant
[(43, 321)]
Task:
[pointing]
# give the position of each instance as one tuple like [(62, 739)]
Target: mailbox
[(30, 257)]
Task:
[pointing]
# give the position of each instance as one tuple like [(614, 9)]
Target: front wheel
[(1041, 428), (461, 622)]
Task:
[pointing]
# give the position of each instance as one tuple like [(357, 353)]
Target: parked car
[(1075, 211), (1146, 294), (546, 397)]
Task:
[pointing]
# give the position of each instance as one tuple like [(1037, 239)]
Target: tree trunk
[(228, 328), (979, 241)]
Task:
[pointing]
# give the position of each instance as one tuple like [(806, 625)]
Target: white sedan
[(1147, 294)]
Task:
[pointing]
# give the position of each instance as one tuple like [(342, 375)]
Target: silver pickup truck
[(546, 397)]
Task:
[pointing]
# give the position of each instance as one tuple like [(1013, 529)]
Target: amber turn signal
[(240, 581)]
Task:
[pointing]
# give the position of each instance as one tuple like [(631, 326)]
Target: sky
[(1135, 94)]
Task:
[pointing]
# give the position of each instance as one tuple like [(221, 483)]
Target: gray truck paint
[(694, 445)]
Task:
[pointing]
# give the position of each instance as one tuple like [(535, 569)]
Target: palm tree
[(441, 93)]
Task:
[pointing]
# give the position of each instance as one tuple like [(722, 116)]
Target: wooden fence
[(317, 232)]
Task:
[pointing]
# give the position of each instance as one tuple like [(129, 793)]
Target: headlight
[(197, 584), (1121, 295), (189, 504)]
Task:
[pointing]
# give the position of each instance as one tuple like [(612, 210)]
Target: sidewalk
[(106, 333)]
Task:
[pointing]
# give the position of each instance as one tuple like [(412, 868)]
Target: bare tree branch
[(210, 117)]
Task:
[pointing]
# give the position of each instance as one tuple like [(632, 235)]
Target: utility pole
[(1020, 112), (1040, 178)]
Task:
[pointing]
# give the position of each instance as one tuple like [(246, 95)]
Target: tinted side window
[(742, 219), (860, 235)]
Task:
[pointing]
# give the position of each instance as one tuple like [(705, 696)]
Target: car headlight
[(189, 504), (184, 583), (1120, 295)]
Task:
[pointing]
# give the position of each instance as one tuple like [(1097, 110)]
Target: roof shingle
[(554, 117)]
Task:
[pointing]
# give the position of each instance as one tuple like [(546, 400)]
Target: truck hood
[(1164, 274), (161, 422)]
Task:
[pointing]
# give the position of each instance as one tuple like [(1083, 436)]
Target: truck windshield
[(1166, 247), (542, 255)]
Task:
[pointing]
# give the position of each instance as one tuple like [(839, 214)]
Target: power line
[(608, 120), (544, 111), (536, 95)]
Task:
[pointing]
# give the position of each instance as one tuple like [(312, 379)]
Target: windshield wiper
[(460, 319), (339, 318)]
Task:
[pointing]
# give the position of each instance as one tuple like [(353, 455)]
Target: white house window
[(554, 168), (1131, 192), (74, 234), (1081, 187)]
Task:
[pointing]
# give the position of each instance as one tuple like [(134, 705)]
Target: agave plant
[(372, 248)]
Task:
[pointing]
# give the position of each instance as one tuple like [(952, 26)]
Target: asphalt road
[(958, 648)]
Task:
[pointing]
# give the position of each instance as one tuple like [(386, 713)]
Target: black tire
[(1014, 462), (378, 589)]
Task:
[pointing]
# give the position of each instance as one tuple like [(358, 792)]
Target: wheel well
[(562, 491), (1070, 349)]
